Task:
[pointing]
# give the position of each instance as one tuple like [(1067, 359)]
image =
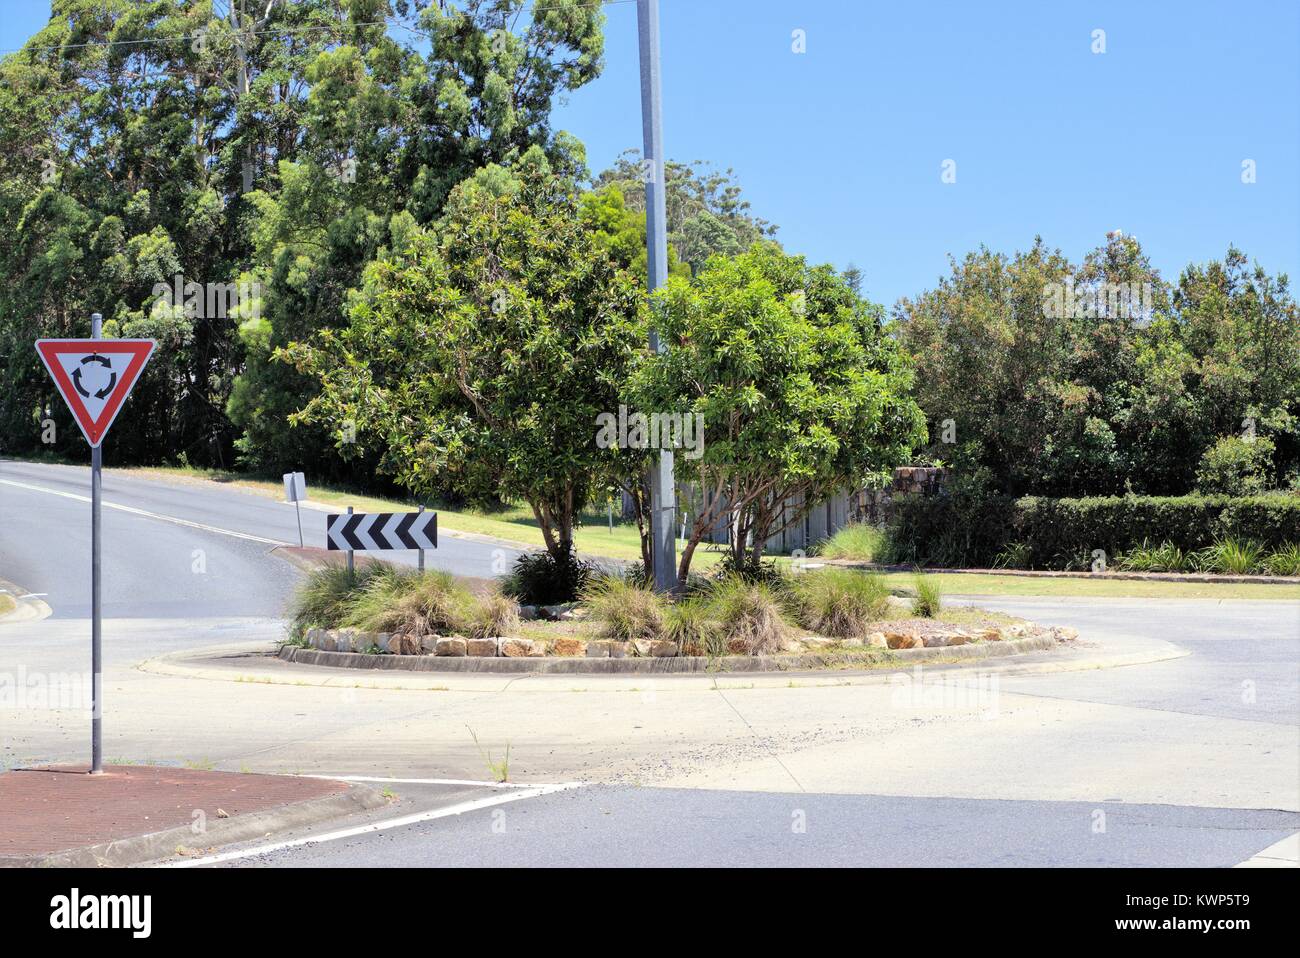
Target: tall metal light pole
[(663, 504)]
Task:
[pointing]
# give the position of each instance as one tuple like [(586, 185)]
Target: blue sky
[(842, 145)]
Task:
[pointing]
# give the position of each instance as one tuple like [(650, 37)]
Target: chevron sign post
[(380, 531)]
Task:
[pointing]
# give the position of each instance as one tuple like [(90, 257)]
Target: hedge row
[(978, 531)]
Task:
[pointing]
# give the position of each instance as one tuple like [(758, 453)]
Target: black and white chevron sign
[(382, 530)]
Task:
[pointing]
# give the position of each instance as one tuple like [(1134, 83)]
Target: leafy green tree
[(706, 214), (1040, 375), (282, 144), (482, 354), (1236, 466), (987, 361), (112, 125), (623, 231), (853, 278), (385, 134), (1243, 328), (801, 392)]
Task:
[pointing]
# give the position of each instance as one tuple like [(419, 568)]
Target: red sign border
[(139, 349)]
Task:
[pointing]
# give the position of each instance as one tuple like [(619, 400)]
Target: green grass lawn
[(976, 584), (514, 523)]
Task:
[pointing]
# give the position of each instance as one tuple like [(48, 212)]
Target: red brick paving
[(54, 809)]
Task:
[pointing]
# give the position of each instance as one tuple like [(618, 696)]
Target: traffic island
[(379, 617), (60, 816)]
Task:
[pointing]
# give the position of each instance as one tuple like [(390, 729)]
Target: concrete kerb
[(248, 663), (140, 849), (28, 608)]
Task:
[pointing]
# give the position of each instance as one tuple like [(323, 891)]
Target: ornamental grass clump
[(326, 595), (413, 603), (1284, 560), (839, 603), (928, 601), (624, 611), (857, 540), (749, 615), (1230, 556), (1165, 557), (690, 623), (493, 614)]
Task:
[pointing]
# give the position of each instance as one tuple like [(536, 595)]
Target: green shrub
[(839, 602), (624, 611), (1236, 466), (1165, 557), (1271, 520), (1064, 532), (858, 540), (749, 615), (539, 578), (967, 530), (964, 526), (1285, 560), (689, 622), (928, 600), (1231, 556), (768, 573), (1016, 555)]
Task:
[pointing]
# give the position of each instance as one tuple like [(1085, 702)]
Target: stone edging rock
[(894, 637), (676, 664)]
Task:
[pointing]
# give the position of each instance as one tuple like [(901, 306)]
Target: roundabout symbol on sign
[(112, 377)]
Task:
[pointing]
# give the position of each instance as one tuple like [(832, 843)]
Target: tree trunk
[(684, 565), (640, 496), (542, 514)]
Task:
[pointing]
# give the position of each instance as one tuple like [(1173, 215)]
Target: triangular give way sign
[(95, 376)]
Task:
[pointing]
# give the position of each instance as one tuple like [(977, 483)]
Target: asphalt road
[(602, 826), (150, 564), (1188, 761), (183, 564), (1245, 661)]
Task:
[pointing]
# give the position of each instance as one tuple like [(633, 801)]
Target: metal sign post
[(96, 625), (295, 490), (350, 569), (95, 376), (420, 561)]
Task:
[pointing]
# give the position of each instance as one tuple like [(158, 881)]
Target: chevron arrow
[(377, 531), (404, 530), (349, 532)]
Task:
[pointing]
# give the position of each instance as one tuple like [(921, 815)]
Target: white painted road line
[(146, 514), (401, 822)]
